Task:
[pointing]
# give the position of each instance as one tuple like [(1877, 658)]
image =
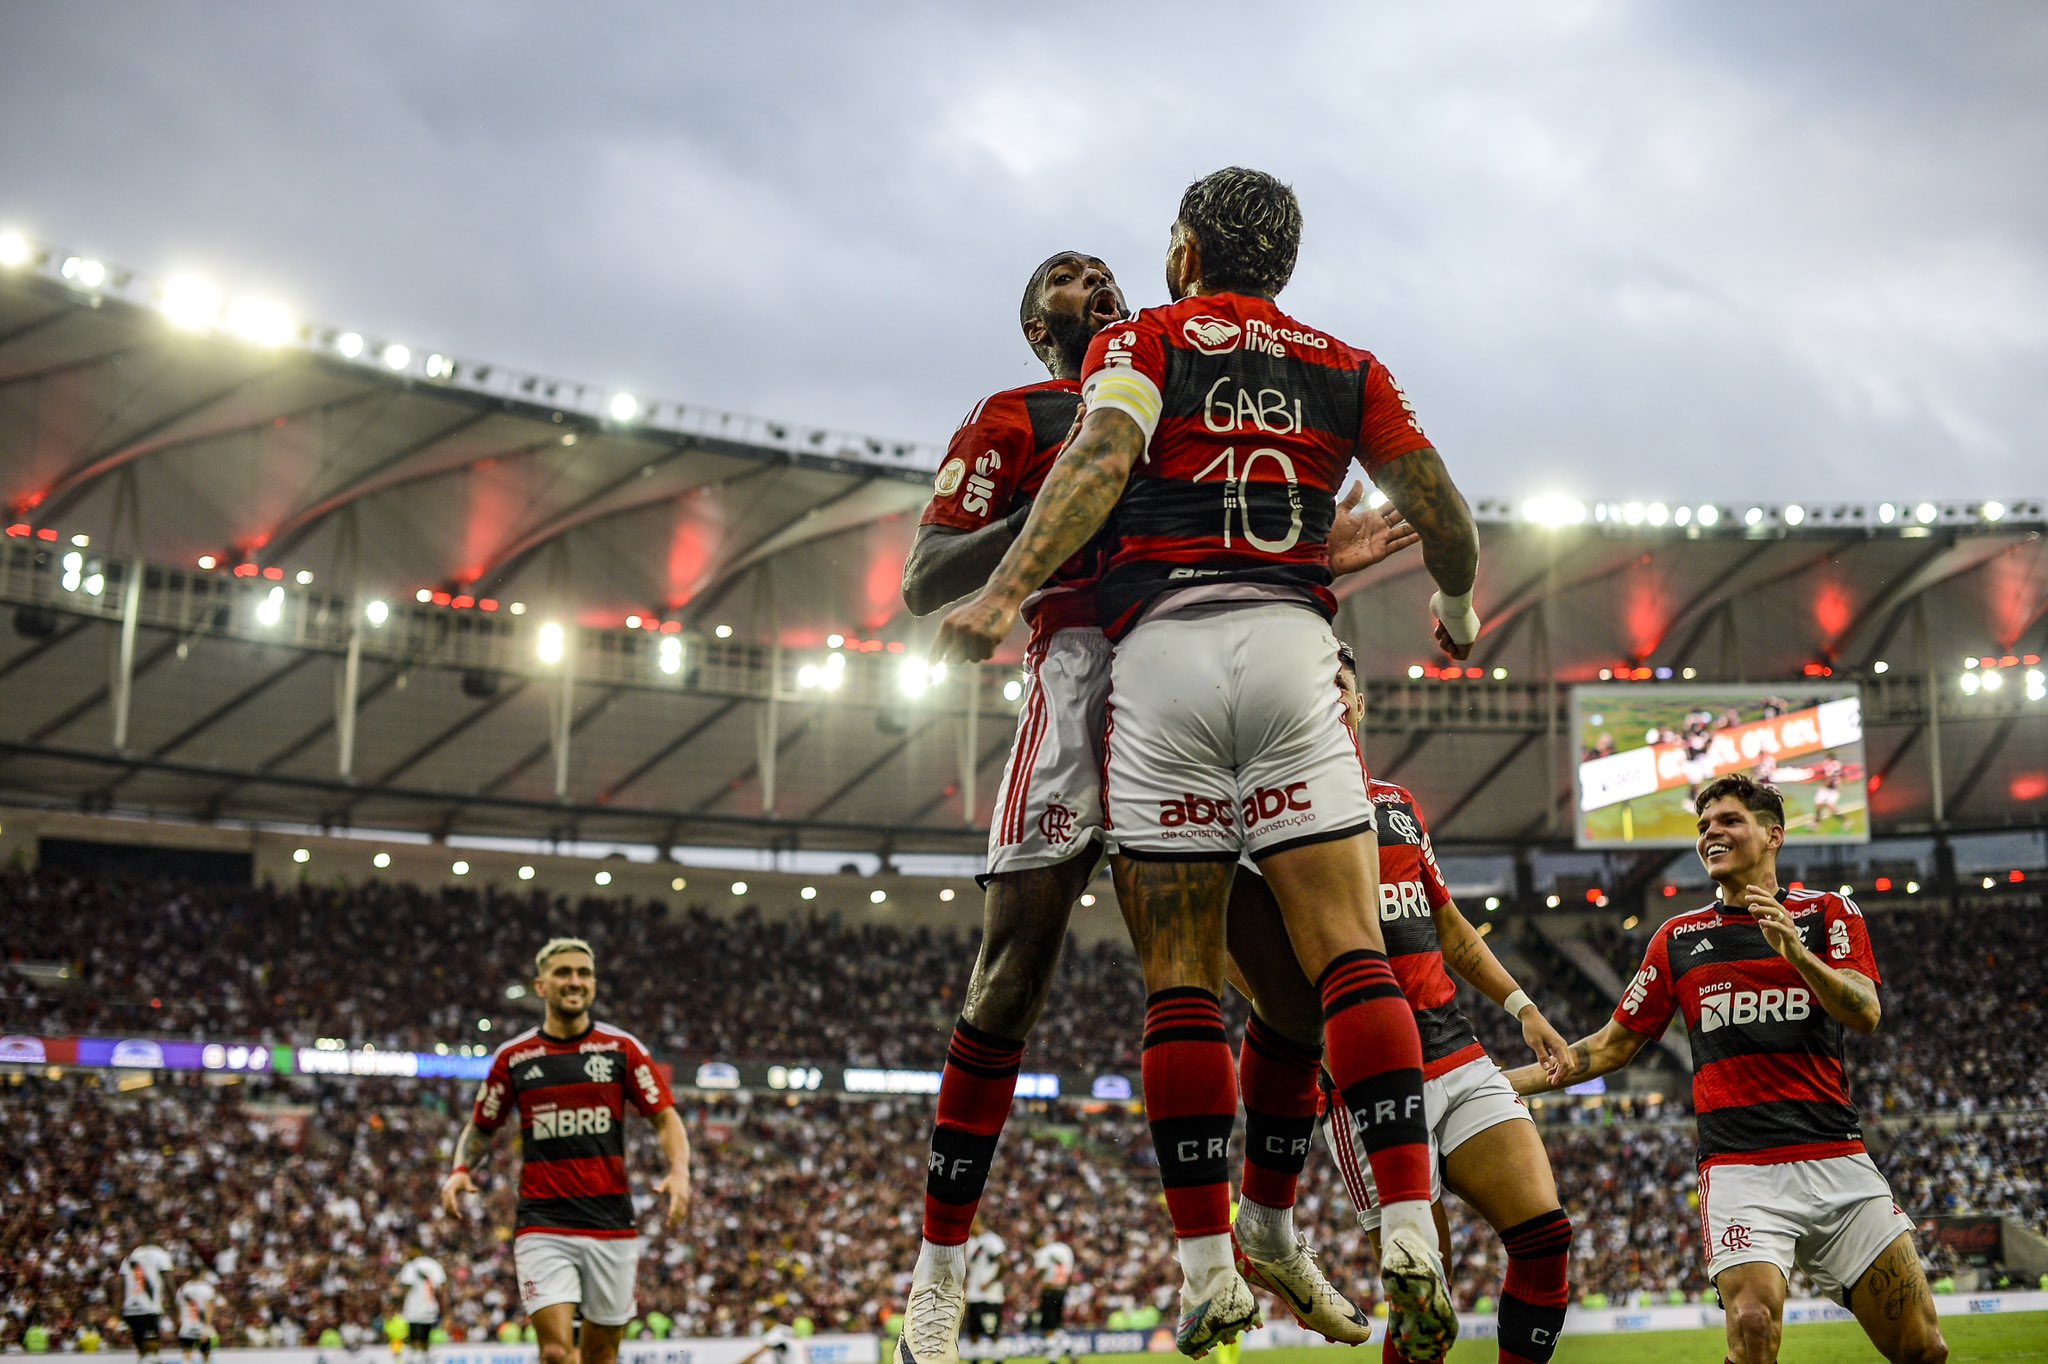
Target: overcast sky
[(1655, 250)]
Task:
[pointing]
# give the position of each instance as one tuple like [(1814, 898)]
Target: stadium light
[(95, 584), (349, 345), (1633, 513), (1912, 887), (207, 561), (1689, 673), (876, 897), (377, 612), (1992, 681), (525, 874), (1794, 514), (623, 407), (1970, 684), (603, 878), (946, 896), (301, 856), (807, 893), (84, 271), (835, 641), (808, 676), (1492, 903), (1708, 515), (1088, 901), (439, 366), (517, 608), (423, 596), (460, 868), (381, 861), (81, 541), (14, 249), (1551, 901), (1754, 516), (550, 643), (1552, 510), (304, 577), (1887, 513), (1880, 666), (1925, 513), (723, 632), (1993, 511), (260, 322), (270, 610), (739, 887), (632, 622), (1414, 672), (671, 654), (679, 883), (483, 1025), (396, 356), (1682, 517), (1012, 689), (1658, 513), (191, 303)]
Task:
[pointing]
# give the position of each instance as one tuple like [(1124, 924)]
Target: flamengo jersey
[(572, 1094), (1251, 419), (1768, 1084), (996, 461), (1412, 889)]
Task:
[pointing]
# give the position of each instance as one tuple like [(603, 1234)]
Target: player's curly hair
[(1760, 797), (555, 947), (1248, 225)]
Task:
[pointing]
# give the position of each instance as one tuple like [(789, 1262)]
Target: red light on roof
[(18, 529), (2016, 876), (1594, 895), (1882, 884), (2031, 659), (1475, 672), (1877, 781), (1641, 674), (1670, 892), (2029, 786), (895, 646), (463, 603), (34, 500), (442, 598), (274, 573), (488, 604), (2009, 661), (872, 646), (245, 570), (46, 534)]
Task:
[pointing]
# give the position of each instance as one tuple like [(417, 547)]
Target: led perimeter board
[(1645, 748)]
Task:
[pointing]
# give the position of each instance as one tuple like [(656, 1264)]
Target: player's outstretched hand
[(676, 1184), (1776, 922), (453, 1190), (972, 631), (1362, 536), (1552, 1052)]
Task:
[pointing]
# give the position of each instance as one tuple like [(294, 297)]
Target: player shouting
[(1218, 430), (1768, 979), (571, 1081)]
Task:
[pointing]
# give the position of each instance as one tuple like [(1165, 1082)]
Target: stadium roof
[(276, 478)]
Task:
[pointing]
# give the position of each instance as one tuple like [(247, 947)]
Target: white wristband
[(1517, 1002), (1460, 621)]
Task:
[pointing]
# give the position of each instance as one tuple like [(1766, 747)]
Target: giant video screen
[(1644, 749)]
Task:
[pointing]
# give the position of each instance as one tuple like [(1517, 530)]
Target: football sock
[(1375, 1058), (975, 1091), (1191, 1106), (1277, 1077), (1533, 1300)]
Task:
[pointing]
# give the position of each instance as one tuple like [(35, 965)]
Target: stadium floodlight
[(739, 887), (424, 595), (834, 672), (671, 654), (1887, 513), (1012, 689), (1992, 681), (914, 677), (1925, 513), (439, 366), (304, 577), (525, 874), (95, 584), (1682, 517), (460, 868), (84, 271), (260, 322), (808, 677), (1552, 510), (300, 855), (1880, 666), (517, 608), (679, 883), (207, 561), (1848, 890), (623, 407), (835, 641), (1794, 514), (14, 249), (1754, 516), (396, 356), (1708, 515), (550, 643), (1500, 674), (1993, 511), (946, 896), (723, 632), (807, 893), (1552, 901), (349, 345), (1912, 887), (1634, 512), (381, 861), (1492, 903), (377, 612), (1414, 672), (2037, 685), (1657, 513), (81, 541), (74, 562), (1970, 684), (270, 610), (1689, 673), (191, 303), (603, 878), (876, 897), (1088, 901), (632, 622), (482, 1024)]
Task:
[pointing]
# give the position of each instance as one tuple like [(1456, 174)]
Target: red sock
[(1375, 1057), (1277, 1077), (1191, 1106), (975, 1091), (1533, 1301)]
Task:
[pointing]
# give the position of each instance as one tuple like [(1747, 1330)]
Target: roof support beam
[(1499, 766), (665, 752)]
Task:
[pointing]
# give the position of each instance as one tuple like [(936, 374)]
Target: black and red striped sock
[(1191, 1106), (975, 1092), (1375, 1057), (1534, 1298), (1277, 1077)]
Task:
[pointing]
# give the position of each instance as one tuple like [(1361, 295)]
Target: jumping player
[(571, 1081), (1047, 837), (1218, 430), (142, 1296), (1768, 979)]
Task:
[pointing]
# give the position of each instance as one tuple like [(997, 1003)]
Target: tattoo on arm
[(1075, 501), (1421, 487), (473, 1147), (1582, 1055), (1847, 996)]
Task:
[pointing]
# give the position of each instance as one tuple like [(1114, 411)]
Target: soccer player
[(985, 1252), (196, 1333), (1827, 798), (779, 1345), (571, 1081), (142, 1296), (1768, 979), (1482, 1142), (1218, 430), (1048, 832), (420, 1281), (1054, 1262)]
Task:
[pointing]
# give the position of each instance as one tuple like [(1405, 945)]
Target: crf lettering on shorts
[(1754, 1006), (1638, 990), (1268, 803), (1193, 809), (1227, 408), (572, 1122), (1196, 1149), (1380, 1111), (1402, 900)]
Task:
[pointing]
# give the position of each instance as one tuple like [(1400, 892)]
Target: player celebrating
[(1768, 979), (571, 1081), (142, 1296), (196, 1333), (1222, 741), (1048, 832), (420, 1281)]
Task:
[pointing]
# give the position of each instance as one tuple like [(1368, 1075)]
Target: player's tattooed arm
[(1420, 486), (1850, 997), (946, 564), (1604, 1052), (472, 1148)]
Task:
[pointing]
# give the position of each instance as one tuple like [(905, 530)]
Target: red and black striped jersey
[(995, 463), (1412, 889), (1251, 420), (1768, 1084), (572, 1094)]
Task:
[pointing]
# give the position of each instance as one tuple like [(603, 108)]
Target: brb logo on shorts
[(1057, 824), (572, 1122), (1195, 810), (1211, 335), (1754, 1006)]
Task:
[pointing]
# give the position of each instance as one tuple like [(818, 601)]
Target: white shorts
[(1226, 736), (1049, 805), (1831, 1218), (1827, 798), (1458, 1105), (594, 1271)]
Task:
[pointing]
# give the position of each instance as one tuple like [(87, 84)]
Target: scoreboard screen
[(1644, 749)]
